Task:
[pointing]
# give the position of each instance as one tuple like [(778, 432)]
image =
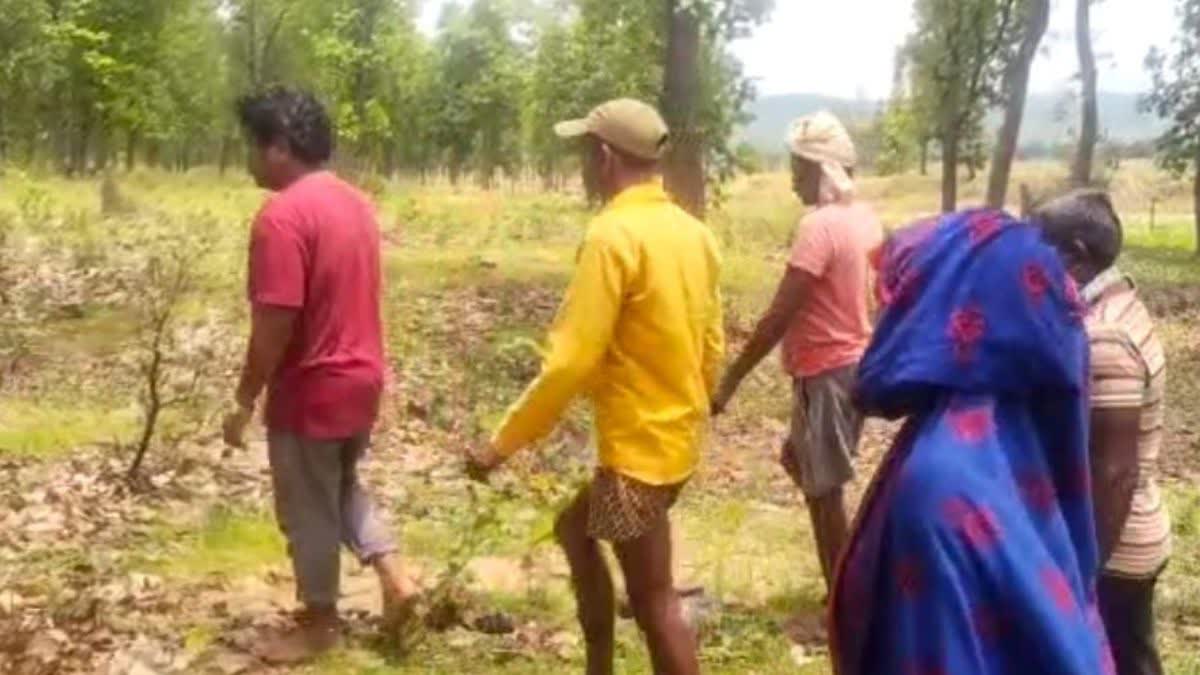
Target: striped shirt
[(1129, 370)]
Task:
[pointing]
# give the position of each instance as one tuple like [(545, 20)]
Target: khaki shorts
[(826, 427), (623, 509)]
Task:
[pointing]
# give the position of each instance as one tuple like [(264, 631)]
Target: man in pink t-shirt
[(821, 314), (316, 345)]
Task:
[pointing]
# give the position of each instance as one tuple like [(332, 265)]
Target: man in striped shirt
[(1128, 385)]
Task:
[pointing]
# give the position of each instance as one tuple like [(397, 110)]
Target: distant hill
[(773, 114), (1049, 118)]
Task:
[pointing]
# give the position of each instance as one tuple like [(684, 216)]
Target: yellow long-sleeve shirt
[(640, 330)]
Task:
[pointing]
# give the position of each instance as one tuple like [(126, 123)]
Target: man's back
[(640, 329), (1129, 370), (315, 249), (833, 329), (651, 392)]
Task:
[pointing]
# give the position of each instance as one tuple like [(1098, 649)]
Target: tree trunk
[(131, 150), (252, 47), (949, 172), (684, 167), (225, 154), (153, 408), (1196, 201), (1016, 86), (924, 156), (100, 165), (79, 149), (1089, 128)]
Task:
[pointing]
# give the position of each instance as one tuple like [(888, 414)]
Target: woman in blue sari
[(975, 549)]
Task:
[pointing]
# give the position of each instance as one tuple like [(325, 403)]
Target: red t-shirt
[(315, 249)]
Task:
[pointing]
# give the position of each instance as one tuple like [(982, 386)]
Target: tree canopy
[(88, 83), (1176, 98)]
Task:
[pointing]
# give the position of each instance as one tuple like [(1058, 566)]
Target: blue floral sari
[(975, 549)]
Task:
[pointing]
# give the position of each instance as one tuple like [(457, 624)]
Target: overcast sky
[(846, 47)]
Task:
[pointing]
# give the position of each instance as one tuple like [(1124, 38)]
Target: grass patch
[(228, 543), (47, 428)]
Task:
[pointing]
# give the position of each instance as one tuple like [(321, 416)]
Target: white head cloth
[(822, 139)]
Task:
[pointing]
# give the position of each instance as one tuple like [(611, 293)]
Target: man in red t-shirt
[(316, 345)]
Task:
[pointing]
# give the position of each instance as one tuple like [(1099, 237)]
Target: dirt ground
[(181, 575)]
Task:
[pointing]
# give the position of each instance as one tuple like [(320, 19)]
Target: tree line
[(89, 84), (86, 84), (966, 58)]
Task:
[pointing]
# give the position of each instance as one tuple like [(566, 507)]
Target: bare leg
[(592, 583), (830, 529), (366, 535), (393, 578), (646, 563)]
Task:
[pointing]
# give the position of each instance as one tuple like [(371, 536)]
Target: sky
[(846, 48)]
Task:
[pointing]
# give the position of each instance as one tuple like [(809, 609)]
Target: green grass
[(228, 543), (45, 428)]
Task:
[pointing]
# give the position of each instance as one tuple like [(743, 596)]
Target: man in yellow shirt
[(640, 331)]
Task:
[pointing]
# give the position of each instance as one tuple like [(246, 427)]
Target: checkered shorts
[(622, 509)]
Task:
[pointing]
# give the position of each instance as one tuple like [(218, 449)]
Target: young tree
[(175, 359), (958, 53), (1016, 87), (1089, 125), (1176, 98)]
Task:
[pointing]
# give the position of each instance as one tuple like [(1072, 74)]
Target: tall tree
[(1089, 126), (959, 52), (259, 41), (1176, 98), (1016, 88), (684, 169), (358, 47), (704, 92)]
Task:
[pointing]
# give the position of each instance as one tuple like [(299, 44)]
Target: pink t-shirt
[(315, 248), (833, 244)]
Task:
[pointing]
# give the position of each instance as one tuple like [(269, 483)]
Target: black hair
[(1087, 218), (293, 116)]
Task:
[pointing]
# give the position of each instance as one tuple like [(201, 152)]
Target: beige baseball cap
[(629, 125)]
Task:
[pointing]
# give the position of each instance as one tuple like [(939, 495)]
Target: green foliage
[(85, 83), (958, 55), (1176, 93), (899, 134)]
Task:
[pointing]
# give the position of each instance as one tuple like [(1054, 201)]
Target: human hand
[(722, 397), (233, 426), (481, 461)]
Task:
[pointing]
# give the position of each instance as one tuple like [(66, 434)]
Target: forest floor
[(183, 573)]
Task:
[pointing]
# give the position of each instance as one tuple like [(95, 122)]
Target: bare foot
[(316, 632), (400, 592)]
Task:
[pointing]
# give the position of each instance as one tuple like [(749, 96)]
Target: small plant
[(175, 359)]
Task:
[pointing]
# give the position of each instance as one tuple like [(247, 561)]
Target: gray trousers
[(826, 427), (320, 504)]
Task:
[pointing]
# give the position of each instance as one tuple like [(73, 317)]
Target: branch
[(986, 56)]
